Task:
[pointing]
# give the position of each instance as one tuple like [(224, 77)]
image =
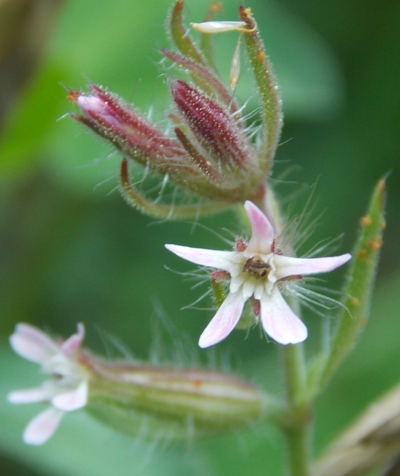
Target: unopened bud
[(122, 125), (218, 134)]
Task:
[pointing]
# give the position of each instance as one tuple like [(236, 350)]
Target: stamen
[(256, 267), (240, 245)]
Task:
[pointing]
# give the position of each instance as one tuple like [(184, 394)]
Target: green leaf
[(357, 292), (32, 121)]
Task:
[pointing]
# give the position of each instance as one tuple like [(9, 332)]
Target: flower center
[(256, 267)]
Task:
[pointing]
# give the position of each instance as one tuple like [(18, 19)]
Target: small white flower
[(67, 388), (258, 271)]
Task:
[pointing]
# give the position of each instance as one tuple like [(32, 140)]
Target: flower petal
[(32, 344), (219, 26), (279, 321), (287, 266), (42, 427), (96, 108), (262, 231), (30, 395), (74, 342), (73, 400), (213, 258), (224, 321)]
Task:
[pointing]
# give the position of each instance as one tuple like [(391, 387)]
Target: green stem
[(295, 375), (298, 431), (298, 444)]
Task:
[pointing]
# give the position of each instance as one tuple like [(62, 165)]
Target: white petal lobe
[(213, 258), (279, 321), (288, 266), (42, 427), (32, 344), (224, 321)]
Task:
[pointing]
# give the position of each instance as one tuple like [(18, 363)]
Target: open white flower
[(257, 270), (67, 388)]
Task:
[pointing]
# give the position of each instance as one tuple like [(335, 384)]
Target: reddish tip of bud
[(73, 95)]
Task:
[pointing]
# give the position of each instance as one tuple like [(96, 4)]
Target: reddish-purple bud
[(124, 127), (220, 136)]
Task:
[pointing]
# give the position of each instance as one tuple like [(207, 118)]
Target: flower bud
[(134, 398), (210, 153), (217, 133), (122, 125)]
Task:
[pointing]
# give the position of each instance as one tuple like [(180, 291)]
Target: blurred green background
[(72, 250)]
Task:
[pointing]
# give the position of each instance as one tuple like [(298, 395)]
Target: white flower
[(257, 270), (67, 388)]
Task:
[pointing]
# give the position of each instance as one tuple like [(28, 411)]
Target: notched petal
[(32, 344), (288, 266), (224, 321), (42, 427), (31, 395), (279, 321), (73, 343), (213, 258), (73, 400), (262, 232)]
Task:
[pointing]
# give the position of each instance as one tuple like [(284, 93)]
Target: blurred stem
[(298, 430)]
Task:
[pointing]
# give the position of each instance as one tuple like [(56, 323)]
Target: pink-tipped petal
[(31, 395), (91, 105), (32, 344), (224, 321), (262, 231), (287, 266), (279, 321), (213, 258), (73, 400), (74, 342), (42, 427)]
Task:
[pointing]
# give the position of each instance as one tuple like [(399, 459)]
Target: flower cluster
[(210, 153), (257, 270)]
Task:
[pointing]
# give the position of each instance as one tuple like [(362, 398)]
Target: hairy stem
[(297, 431)]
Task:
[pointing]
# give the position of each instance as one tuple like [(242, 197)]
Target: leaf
[(358, 290)]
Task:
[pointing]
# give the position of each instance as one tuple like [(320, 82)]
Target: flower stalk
[(298, 427)]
